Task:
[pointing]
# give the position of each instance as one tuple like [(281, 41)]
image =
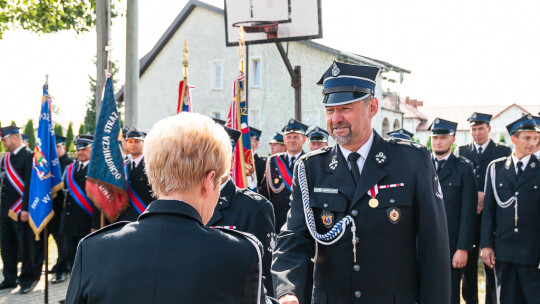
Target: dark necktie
[(440, 163), (132, 165), (480, 150), (355, 170), (520, 169), (293, 159)]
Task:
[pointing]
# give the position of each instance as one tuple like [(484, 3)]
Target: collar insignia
[(380, 158)]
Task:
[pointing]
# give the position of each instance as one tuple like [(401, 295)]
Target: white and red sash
[(17, 183)]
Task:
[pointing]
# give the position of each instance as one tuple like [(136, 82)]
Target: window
[(396, 125), (217, 75), (385, 127), (216, 114), (256, 73)]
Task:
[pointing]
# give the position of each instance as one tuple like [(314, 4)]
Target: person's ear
[(208, 183)]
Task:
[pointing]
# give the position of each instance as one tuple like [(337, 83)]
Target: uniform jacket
[(249, 212), (402, 262), (480, 162), (75, 221), (22, 162), (140, 185), (521, 244), (169, 256), (260, 163), (460, 199), (280, 199), (58, 201)]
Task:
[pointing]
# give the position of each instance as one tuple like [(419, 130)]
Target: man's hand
[(480, 205), (288, 299), (488, 256), (24, 216), (460, 259)]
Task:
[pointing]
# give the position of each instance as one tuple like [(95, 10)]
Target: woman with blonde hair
[(168, 255)]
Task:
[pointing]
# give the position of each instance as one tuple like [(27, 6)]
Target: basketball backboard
[(296, 20)]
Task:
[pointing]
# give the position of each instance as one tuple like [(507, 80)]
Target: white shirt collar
[(83, 164), (439, 159), (363, 151), (484, 146), (137, 160), (524, 160), (224, 184), (22, 146), (537, 154), (289, 155)]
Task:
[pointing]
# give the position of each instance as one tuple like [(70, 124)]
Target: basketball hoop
[(268, 27)]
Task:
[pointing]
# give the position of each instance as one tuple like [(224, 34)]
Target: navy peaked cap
[(318, 134), (401, 133), (294, 126), (443, 127), (525, 123), (479, 118)]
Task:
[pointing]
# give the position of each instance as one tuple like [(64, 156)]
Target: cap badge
[(437, 121), (393, 214), (529, 116), (335, 69), (380, 158), (474, 115), (327, 218), (401, 131), (291, 121)]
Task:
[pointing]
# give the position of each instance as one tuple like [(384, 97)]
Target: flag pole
[(46, 236), (185, 63), (242, 55)]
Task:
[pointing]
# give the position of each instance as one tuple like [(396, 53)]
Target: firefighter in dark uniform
[(260, 161), (168, 255), (318, 138), (244, 210), (78, 208), (401, 133), (458, 184), (60, 269), (510, 236), (16, 236), (375, 217), (279, 168), (276, 144), (480, 152), (537, 150)]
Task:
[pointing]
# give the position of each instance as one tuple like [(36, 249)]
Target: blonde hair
[(180, 150)]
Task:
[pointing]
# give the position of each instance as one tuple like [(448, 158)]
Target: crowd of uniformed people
[(367, 220)]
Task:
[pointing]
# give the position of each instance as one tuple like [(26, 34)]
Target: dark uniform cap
[(537, 119), (294, 126), (525, 123), (25, 137), (135, 134), (124, 132), (401, 133), (254, 133), (7, 131), (83, 141), (318, 135), (277, 139), (234, 135), (346, 83), (60, 140), (443, 127), (479, 118)]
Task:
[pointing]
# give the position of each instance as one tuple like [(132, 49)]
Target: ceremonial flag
[(106, 177), (46, 178), (243, 163), (184, 97)]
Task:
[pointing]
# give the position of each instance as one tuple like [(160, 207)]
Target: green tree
[(90, 116), (2, 149), (69, 137), (49, 16), (502, 139), (82, 129), (428, 144), (58, 130), (29, 131), (13, 123)]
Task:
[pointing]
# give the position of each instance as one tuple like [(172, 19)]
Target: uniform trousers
[(16, 242), (518, 284), (71, 242)]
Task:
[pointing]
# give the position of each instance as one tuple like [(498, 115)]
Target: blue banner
[(46, 177), (106, 178)]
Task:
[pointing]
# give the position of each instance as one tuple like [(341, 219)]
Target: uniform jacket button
[(357, 294), (67, 213), (517, 193), (354, 212), (392, 201), (325, 205), (516, 230), (356, 267)]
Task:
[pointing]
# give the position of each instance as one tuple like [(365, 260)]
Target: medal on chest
[(373, 202)]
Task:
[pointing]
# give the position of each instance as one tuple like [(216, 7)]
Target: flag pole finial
[(185, 61), (241, 48)]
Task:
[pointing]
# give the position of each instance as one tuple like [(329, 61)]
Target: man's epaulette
[(407, 143), (502, 144), (255, 196), (316, 152), (107, 228), (465, 160)]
